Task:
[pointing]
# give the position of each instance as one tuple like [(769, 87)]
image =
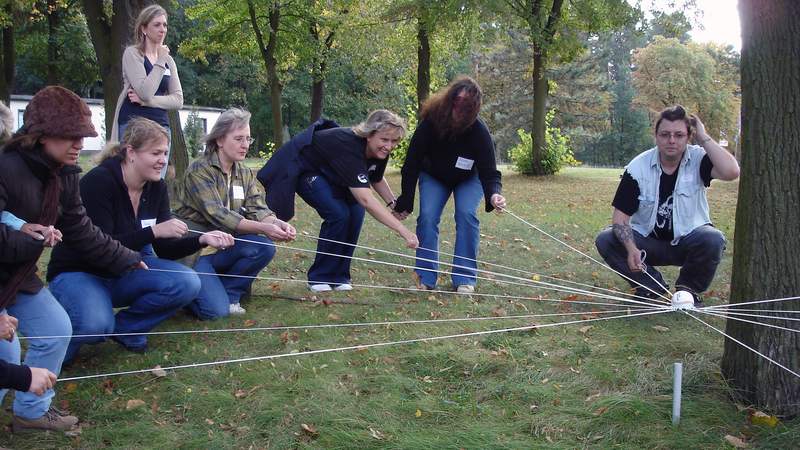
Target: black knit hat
[(55, 111)]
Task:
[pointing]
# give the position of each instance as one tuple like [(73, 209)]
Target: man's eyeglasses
[(244, 140), (677, 135)]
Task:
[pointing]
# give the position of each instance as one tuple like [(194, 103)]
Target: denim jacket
[(690, 205)]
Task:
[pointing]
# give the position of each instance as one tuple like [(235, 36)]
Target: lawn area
[(600, 384)]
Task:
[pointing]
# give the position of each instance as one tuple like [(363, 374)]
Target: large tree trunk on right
[(423, 64), (766, 263)]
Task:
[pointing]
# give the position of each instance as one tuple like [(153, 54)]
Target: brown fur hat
[(55, 111)]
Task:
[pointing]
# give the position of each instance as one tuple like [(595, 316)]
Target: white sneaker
[(235, 309), (344, 287), (320, 287), (465, 289)]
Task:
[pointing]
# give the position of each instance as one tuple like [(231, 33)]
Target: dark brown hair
[(675, 113), (439, 107)]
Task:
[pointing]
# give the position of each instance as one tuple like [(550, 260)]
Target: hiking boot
[(657, 295), (53, 419), (235, 309)]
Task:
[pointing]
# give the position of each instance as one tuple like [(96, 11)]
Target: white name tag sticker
[(238, 192), (464, 163), (167, 72), (148, 223)]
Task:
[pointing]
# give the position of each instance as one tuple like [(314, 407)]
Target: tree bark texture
[(179, 154), (766, 264), (423, 64), (319, 71)]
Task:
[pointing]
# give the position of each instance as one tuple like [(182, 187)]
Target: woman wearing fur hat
[(39, 184), (150, 77)]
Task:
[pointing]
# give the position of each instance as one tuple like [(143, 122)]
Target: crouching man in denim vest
[(661, 210)]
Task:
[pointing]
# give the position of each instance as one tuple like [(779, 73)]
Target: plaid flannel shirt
[(207, 197)]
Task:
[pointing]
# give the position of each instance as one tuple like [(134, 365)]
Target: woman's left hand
[(134, 97), (217, 239), (499, 202)]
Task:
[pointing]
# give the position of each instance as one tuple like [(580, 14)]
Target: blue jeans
[(39, 315), (698, 254), (148, 297), (341, 221), (121, 133), (246, 259), (433, 195)]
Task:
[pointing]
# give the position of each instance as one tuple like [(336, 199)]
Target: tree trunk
[(178, 154), (8, 60), (271, 63), (53, 77), (423, 64), (319, 72), (539, 128), (542, 38), (766, 263)]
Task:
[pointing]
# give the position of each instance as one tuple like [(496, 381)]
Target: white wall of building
[(208, 117)]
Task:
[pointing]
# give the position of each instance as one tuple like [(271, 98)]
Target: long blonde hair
[(377, 120), (138, 133), (145, 17)]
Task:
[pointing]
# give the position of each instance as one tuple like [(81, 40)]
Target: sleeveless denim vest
[(690, 205)]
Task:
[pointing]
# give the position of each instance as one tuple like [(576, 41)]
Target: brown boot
[(53, 419)]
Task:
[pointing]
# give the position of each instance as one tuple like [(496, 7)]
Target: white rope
[(357, 347), (477, 262), (743, 344), (724, 316), (325, 325), (776, 311), (735, 305), (425, 291), (669, 300), (736, 313), (527, 283)]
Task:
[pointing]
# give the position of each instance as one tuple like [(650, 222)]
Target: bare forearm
[(384, 190)]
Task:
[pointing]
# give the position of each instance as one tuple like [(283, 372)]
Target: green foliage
[(400, 152), (266, 150), (557, 155), (193, 134), (697, 76)]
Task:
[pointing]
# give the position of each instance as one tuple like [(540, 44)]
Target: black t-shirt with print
[(627, 198), (339, 155)]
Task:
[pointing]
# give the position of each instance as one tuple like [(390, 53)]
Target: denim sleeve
[(12, 221)]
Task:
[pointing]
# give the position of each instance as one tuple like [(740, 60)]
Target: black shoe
[(656, 293)]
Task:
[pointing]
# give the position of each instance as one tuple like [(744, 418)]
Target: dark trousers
[(698, 254), (341, 221)]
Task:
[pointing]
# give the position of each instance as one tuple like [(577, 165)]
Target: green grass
[(551, 388)]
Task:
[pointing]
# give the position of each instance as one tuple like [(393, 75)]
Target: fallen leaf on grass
[(249, 322), (133, 404), (71, 387), (585, 329), (499, 312), (418, 413), (735, 441), (660, 328), (158, 371), (376, 434), (333, 316), (309, 429), (600, 411), (74, 432), (209, 421), (760, 418)]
